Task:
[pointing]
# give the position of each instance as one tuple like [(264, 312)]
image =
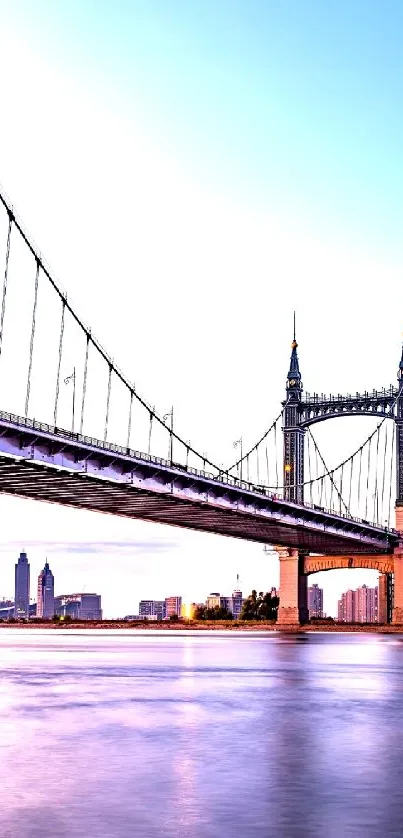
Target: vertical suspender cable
[(107, 402), (309, 468), (275, 448), (59, 363), (359, 483), (267, 466), (257, 464), (129, 424), (187, 457), (368, 469), (150, 430), (376, 477), (351, 484), (31, 344), (84, 382), (341, 487), (332, 486), (392, 456), (3, 304), (384, 475), (247, 468)]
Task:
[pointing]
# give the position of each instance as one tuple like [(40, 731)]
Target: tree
[(216, 613), (260, 606), (269, 607)]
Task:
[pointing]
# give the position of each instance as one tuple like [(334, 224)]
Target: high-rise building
[(360, 606), (173, 606), (45, 606), (315, 601), (79, 606), (236, 604), (6, 609), (146, 608), (372, 605), (215, 600), (21, 600), (152, 608), (159, 609)]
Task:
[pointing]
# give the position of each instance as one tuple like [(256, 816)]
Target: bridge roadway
[(45, 463)]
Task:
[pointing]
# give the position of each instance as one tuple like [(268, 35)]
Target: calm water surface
[(203, 736)]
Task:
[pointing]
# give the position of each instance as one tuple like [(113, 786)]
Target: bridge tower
[(293, 582), (398, 580), (293, 461)]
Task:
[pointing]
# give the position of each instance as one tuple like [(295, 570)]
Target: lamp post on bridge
[(170, 415), (238, 444), (67, 380)]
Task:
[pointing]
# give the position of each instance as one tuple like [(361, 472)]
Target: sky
[(193, 172)]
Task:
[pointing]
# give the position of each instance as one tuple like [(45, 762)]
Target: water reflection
[(108, 734)]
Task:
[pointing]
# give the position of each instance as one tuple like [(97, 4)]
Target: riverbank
[(203, 625)]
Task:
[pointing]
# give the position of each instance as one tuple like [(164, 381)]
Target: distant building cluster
[(231, 603), (158, 609), (359, 606), (173, 606), (315, 601), (76, 606), (79, 606)]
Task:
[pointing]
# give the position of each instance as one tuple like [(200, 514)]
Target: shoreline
[(216, 626)]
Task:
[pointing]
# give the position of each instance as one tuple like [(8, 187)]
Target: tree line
[(257, 606)]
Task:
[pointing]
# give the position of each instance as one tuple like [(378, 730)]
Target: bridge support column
[(293, 588), (397, 614), (383, 599), (390, 598)]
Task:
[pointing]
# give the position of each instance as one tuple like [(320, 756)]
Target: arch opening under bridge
[(385, 566)]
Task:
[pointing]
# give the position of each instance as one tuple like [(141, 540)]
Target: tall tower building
[(21, 599), (293, 433), (236, 604), (315, 601), (45, 606)]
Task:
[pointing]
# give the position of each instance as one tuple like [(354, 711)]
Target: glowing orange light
[(287, 467)]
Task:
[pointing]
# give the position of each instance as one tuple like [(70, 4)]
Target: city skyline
[(260, 573)]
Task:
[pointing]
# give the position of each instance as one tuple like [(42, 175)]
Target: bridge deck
[(48, 464)]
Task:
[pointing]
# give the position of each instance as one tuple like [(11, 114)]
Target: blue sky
[(245, 155), (296, 103)]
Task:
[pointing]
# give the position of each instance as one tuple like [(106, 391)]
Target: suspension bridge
[(280, 491)]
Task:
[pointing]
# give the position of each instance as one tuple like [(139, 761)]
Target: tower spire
[(294, 375)]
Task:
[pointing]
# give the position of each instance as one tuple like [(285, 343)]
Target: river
[(112, 734)]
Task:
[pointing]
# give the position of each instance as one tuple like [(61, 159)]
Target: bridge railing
[(374, 395)]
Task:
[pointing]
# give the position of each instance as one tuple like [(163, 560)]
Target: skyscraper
[(360, 606), (46, 593), (21, 600), (315, 601), (173, 605)]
